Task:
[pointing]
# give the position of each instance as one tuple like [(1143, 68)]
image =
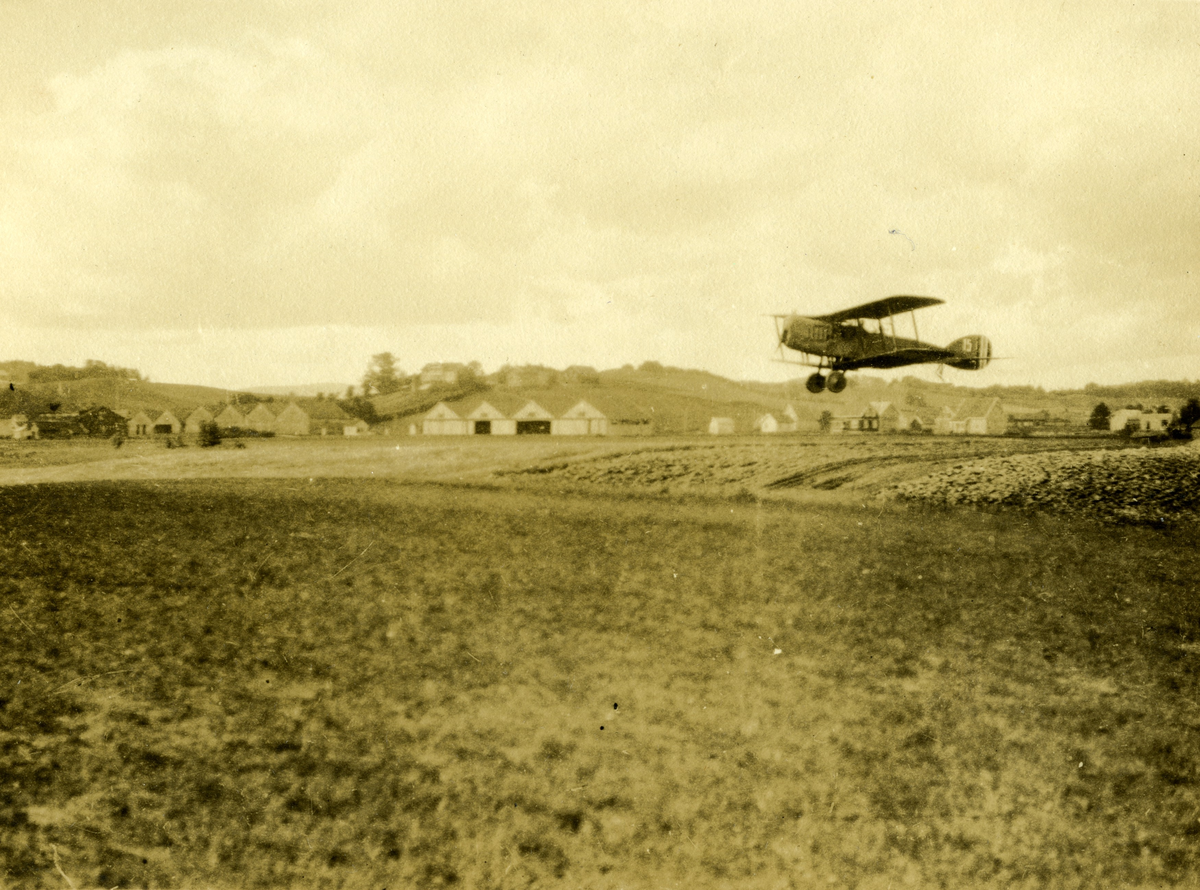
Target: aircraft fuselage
[(847, 341)]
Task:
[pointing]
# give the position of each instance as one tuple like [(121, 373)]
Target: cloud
[(501, 167)]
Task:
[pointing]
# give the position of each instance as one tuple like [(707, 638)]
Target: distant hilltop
[(679, 400)]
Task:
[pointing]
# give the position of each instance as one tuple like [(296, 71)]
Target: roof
[(980, 407), (322, 409)]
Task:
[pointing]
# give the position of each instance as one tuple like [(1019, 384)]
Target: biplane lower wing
[(914, 355)]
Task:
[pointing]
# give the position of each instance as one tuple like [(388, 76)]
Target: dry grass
[(358, 683)]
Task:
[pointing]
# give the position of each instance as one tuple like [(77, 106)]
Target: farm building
[(790, 422), (194, 420), (581, 419), (16, 427), (230, 418), (441, 420), (442, 374), (58, 426), (532, 419), (140, 424), (487, 420), (102, 422), (883, 417), (1147, 421), (721, 426), (261, 419), (766, 424), (558, 412), (167, 424), (316, 417), (856, 422), (973, 417)]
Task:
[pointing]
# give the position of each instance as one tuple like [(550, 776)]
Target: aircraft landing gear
[(836, 382), (815, 383)]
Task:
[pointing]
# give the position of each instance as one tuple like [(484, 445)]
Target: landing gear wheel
[(836, 382), (815, 383)]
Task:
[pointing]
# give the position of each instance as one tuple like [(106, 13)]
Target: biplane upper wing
[(884, 308)]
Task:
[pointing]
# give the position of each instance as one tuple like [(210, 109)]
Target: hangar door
[(533, 427), (483, 427)]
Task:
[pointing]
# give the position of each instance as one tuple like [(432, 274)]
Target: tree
[(825, 421), (382, 375), (1100, 417), (1190, 412)]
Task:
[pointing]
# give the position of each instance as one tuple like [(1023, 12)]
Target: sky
[(242, 193)]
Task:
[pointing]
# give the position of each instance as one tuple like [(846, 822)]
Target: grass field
[(364, 683)]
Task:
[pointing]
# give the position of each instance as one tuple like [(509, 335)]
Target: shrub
[(210, 434)]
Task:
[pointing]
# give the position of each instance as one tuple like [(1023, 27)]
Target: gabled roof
[(980, 407), (531, 410), (320, 409), (583, 409)]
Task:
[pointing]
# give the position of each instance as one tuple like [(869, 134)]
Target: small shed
[(721, 426)]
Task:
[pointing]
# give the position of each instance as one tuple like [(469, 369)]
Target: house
[(766, 424), (972, 417), (102, 422), (858, 422), (1146, 421), (231, 418), (261, 419), (528, 377), (721, 426), (196, 420), (884, 417), (442, 374)]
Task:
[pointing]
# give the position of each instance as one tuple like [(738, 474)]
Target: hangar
[(550, 413)]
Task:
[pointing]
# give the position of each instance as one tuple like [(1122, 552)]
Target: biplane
[(847, 341)]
